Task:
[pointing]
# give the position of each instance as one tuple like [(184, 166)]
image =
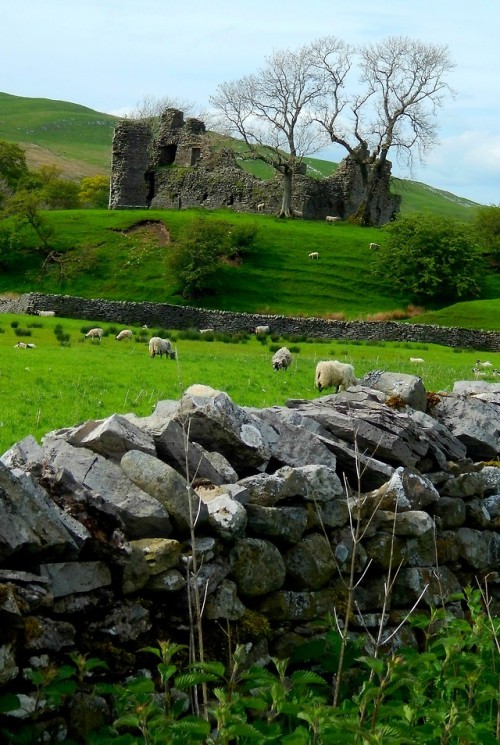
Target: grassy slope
[(75, 138), (277, 278)]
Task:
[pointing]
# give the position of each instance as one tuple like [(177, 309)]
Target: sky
[(109, 55)]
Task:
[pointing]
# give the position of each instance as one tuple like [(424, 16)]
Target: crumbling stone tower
[(142, 149)]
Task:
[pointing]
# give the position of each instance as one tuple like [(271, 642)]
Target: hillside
[(78, 140)]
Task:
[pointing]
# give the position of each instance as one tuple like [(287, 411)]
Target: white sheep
[(314, 255), (47, 313), (483, 364), (207, 331), (262, 330), (334, 374), (416, 359), (160, 347), (125, 334), (331, 220), (374, 246), (261, 206), (282, 359), (96, 333)]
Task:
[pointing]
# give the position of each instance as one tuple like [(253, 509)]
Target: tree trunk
[(286, 203)]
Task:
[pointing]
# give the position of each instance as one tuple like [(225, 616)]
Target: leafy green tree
[(196, 257), (434, 259), (487, 224), (26, 207), (94, 192), (12, 163)]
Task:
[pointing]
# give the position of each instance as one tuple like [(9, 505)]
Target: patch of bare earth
[(150, 230)]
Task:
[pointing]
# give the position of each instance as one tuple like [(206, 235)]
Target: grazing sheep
[(478, 373), (20, 345), (314, 255), (334, 374), (47, 313), (207, 331), (282, 359), (125, 334), (261, 206), (331, 220), (416, 359), (96, 333), (160, 347), (374, 246), (483, 364), (262, 330)]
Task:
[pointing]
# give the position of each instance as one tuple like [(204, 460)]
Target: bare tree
[(271, 112), (402, 84), (150, 108)]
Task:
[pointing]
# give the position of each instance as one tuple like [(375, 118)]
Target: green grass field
[(54, 386)]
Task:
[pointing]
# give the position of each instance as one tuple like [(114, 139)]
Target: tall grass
[(61, 384)]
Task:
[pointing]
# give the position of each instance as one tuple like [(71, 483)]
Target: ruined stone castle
[(177, 164)]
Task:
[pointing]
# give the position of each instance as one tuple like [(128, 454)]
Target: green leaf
[(9, 702)]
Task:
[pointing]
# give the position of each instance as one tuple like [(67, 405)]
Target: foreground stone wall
[(169, 316), (97, 553)]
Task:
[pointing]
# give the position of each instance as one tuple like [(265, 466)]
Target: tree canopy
[(434, 259)]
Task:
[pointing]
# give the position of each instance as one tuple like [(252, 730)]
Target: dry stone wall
[(97, 549), (169, 316)]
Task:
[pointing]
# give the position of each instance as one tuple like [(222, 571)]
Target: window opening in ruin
[(167, 154), (195, 155), (149, 178)]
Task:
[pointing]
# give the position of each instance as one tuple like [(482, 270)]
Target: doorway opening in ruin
[(149, 178), (167, 155), (195, 155)]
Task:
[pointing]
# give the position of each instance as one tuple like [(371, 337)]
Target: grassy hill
[(123, 255), (73, 137), (78, 141)]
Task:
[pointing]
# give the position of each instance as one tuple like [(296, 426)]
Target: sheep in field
[(207, 331), (125, 334), (46, 313), (314, 255), (331, 220), (416, 359), (262, 330), (282, 359), (96, 333), (483, 364), (374, 246), (334, 374), (160, 347), (260, 207)]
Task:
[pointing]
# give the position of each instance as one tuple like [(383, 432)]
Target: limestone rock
[(409, 388), (161, 482), (257, 567), (216, 423), (142, 515)]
